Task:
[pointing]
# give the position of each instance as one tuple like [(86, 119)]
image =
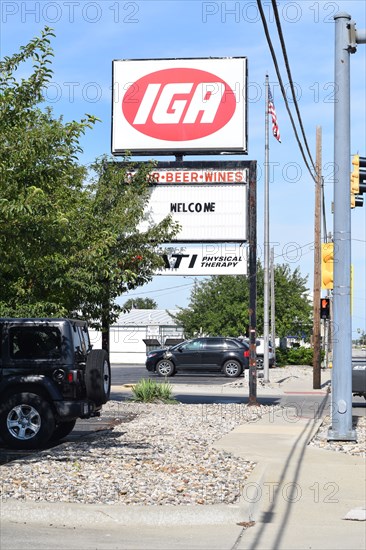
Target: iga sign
[(164, 106), (210, 212), (207, 259)]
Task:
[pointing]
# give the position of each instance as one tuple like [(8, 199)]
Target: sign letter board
[(209, 203)]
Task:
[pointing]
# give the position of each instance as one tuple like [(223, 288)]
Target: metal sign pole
[(252, 237), (266, 246)]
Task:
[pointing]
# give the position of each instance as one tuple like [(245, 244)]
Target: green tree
[(68, 238), (140, 303), (220, 305)]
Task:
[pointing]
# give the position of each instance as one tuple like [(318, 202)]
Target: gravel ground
[(356, 448), (163, 456), (157, 454)]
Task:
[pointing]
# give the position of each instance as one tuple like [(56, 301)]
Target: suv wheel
[(26, 421), (165, 368), (63, 429), (98, 377), (232, 368)]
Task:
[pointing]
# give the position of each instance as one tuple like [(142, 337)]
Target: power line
[(282, 86), (160, 290), (287, 65)]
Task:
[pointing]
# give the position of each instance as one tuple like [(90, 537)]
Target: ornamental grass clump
[(149, 391)]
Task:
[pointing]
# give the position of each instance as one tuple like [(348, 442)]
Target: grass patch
[(149, 391)]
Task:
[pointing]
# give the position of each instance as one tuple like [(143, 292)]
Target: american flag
[(272, 111)]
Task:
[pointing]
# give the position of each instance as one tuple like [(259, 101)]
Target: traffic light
[(324, 308), (358, 180), (327, 266)]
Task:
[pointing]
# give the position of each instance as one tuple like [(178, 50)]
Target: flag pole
[(266, 241)]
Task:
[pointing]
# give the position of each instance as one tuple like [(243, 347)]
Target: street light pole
[(341, 428)]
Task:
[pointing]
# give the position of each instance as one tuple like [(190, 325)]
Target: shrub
[(149, 391), (295, 356)]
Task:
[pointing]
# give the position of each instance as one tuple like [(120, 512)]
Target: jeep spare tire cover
[(98, 377)]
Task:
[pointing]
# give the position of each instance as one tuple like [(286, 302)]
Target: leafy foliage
[(296, 356), (69, 239), (220, 305), (140, 303)]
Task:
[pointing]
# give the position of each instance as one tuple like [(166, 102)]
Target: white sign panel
[(206, 259), (162, 106), (213, 213)]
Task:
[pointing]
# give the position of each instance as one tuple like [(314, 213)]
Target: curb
[(75, 515)]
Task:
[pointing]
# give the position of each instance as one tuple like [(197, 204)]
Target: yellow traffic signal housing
[(327, 265), (358, 178), (355, 179)]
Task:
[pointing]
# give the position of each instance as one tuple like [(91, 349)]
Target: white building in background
[(137, 332)]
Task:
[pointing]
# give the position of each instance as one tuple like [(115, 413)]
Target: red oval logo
[(179, 104)]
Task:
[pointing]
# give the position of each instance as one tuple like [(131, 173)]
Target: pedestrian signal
[(324, 308)]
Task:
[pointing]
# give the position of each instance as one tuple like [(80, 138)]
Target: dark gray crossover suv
[(49, 377), (226, 355), (359, 377)]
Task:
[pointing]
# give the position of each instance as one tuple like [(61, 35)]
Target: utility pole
[(346, 39), (317, 272)]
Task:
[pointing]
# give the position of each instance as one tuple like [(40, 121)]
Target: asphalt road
[(131, 374)]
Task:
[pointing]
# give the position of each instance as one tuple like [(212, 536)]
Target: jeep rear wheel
[(98, 377), (63, 429), (26, 421)]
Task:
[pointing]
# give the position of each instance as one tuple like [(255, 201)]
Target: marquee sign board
[(167, 106), (199, 176), (206, 259), (206, 213)]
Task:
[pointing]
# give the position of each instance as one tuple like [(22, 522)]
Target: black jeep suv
[(49, 377)]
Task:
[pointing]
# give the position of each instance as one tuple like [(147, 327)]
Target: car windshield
[(188, 344)]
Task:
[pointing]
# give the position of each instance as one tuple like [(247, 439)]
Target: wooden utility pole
[(317, 266)]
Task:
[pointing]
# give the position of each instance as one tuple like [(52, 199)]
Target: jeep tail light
[(246, 353), (72, 376)]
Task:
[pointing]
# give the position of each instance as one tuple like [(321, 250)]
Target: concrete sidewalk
[(304, 493), (297, 497)]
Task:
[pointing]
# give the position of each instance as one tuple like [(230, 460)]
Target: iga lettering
[(170, 110)]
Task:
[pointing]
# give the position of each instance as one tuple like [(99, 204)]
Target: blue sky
[(89, 35)]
